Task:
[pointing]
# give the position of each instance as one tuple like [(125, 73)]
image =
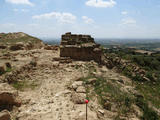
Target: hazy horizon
[(124, 39)]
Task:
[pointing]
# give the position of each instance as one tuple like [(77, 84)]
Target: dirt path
[(52, 99)]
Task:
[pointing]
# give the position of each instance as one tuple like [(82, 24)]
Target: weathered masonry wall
[(80, 47), (73, 39)]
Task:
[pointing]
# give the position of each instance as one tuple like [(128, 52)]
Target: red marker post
[(86, 101)]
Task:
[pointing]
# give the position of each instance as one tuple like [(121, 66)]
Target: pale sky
[(100, 18)]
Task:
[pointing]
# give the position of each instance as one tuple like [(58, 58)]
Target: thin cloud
[(20, 10), (101, 3), (128, 21), (60, 17), (15, 10), (124, 12), (25, 2)]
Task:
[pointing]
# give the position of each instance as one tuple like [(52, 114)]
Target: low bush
[(148, 113)]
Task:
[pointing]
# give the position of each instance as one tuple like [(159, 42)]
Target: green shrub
[(128, 101), (127, 71), (149, 75), (8, 69), (148, 113)]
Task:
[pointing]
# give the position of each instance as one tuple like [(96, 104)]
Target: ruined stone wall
[(73, 39), (80, 47), (81, 53)]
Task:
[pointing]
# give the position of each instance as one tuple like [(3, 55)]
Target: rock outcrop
[(122, 65), (80, 47), (8, 97)]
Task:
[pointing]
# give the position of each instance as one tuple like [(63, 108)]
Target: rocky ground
[(56, 91)]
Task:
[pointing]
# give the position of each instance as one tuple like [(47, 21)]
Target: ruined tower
[(80, 47)]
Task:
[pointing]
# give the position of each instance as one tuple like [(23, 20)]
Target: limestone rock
[(78, 98), (146, 79), (76, 84), (92, 80), (5, 115), (81, 89), (121, 81), (137, 111), (101, 111)]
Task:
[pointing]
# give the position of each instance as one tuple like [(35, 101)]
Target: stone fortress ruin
[(80, 47)]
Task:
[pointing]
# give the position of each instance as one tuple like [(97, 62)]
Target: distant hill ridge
[(10, 38), (19, 41)]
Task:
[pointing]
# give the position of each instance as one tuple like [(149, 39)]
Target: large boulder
[(76, 84), (8, 97), (81, 89), (78, 98)]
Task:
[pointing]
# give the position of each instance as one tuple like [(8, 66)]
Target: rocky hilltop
[(39, 84), (19, 41)]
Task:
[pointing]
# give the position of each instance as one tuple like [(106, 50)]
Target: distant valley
[(143, 44)]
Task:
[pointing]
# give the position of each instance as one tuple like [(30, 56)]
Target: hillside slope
[(19, 40), (11, 38)]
